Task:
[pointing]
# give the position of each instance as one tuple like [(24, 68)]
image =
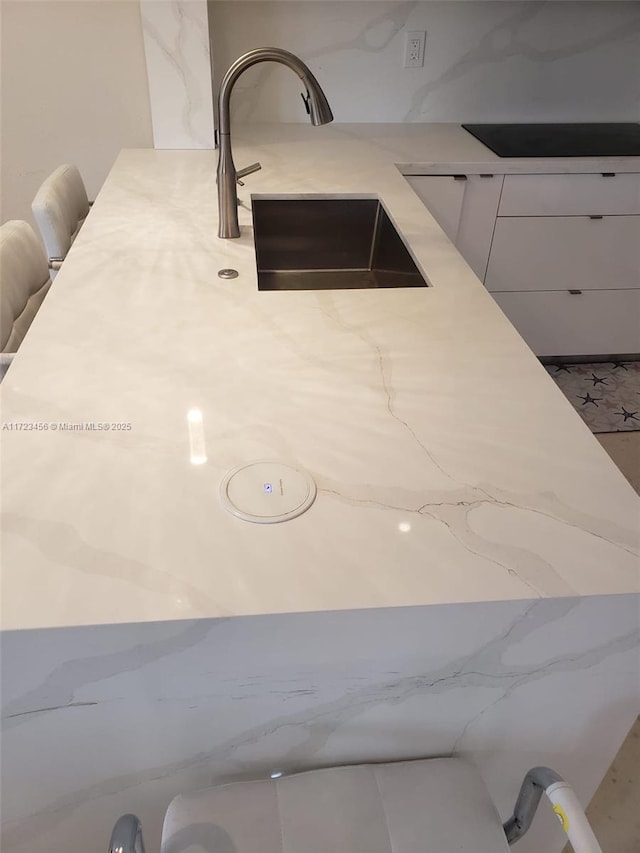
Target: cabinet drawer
[(594, 323), (570, 195), (564, 253)]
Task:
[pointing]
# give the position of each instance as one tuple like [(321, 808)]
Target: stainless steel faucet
[(315, 102)]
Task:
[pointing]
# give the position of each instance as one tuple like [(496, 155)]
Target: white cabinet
[(560, 253), (564, 253), (593, 322), (465, 207), (565, 262), (442, 195), (570, 195)]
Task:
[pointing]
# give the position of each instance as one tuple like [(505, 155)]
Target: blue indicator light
[(268, 488)]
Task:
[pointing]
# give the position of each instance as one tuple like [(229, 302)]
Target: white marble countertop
[(449, 467), (421, 149)]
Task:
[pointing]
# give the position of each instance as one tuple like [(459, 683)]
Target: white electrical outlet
[(414, 49)]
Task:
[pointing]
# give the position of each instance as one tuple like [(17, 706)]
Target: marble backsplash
[(177, 55), (484, 61)]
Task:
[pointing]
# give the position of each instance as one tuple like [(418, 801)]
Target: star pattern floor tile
[(605, 394)]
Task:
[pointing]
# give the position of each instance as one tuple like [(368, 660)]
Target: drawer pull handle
[(575, 292), (608, 174), (459, 177), (487, 176), (596, 217)]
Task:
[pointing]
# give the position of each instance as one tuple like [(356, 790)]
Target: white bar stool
[(436, 805), (59, 208), (24, 283)]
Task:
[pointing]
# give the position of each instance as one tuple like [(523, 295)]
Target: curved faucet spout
[(315, 102)]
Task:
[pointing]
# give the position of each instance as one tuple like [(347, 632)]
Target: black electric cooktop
[(559, 140)]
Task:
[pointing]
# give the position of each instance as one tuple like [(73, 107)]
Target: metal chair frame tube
[(127, 836), (533, 787)]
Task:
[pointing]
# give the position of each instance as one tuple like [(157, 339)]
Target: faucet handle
[(248, 170)]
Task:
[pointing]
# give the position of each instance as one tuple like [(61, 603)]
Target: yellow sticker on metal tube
[(562, 817)]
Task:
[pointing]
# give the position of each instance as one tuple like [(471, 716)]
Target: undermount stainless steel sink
[(329, 244)]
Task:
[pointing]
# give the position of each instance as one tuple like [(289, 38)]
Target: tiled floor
[(606, 395), (614, 812)]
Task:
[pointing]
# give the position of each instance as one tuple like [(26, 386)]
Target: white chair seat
[(23, 284), (438, 805)]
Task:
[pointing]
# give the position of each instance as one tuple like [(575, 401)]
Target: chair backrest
[(24, 282), (59, 208)]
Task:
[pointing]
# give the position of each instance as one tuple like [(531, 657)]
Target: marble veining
[(522, 35), (179, 71), (466, 581), (400, 404), (273, 691), (488, 61)]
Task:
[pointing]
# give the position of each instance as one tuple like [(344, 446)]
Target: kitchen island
[(465, 582)]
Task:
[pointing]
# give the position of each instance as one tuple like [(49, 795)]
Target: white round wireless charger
[(267, 491)]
